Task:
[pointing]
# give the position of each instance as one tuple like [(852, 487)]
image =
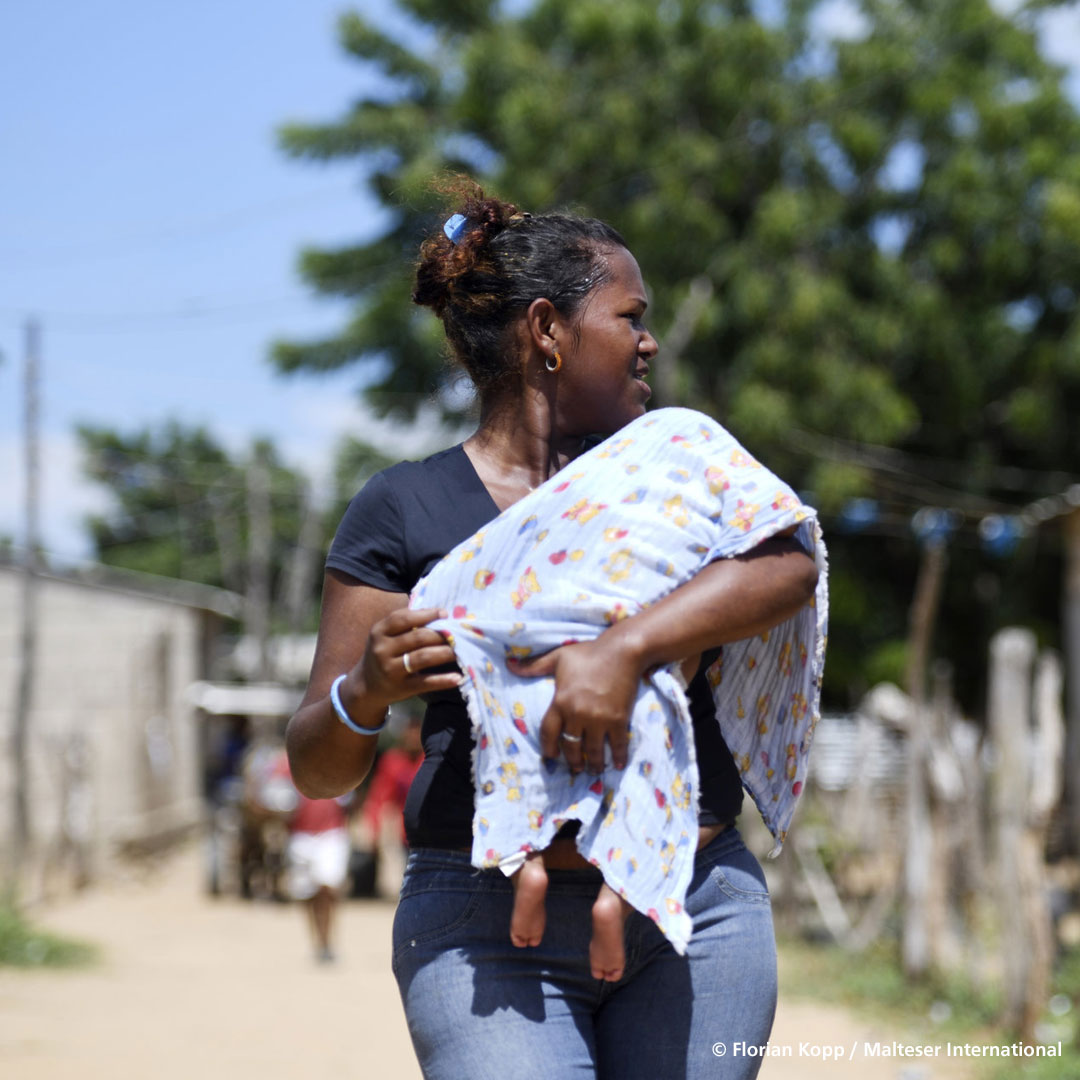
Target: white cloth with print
[(617, 529)]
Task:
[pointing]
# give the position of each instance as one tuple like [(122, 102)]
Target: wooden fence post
[(1071, 623), (1045, 785), (919, 862), (948, 799), (1009, 707), (1027, 784)]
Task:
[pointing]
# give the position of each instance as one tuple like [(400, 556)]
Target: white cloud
[(65, 496), (307, 431), (318, 418)]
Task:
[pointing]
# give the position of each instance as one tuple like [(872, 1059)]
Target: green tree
[(355, 462), (181, 507), (863, 253), (179, 504)]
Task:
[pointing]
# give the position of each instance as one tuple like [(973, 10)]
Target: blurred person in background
[(317, 857), (391, 778)]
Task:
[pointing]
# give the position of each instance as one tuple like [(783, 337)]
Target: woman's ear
[(544, 324)]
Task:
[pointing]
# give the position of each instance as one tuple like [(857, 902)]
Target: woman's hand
[(397, 659), (728, 600), (364, 633), (595, 687)]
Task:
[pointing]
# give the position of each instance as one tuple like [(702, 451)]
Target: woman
[(546, 314)]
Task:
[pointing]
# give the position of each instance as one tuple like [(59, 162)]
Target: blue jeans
[(478, 1007)]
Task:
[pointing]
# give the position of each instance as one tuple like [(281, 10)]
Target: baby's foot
[(607, 955), (529, 915)]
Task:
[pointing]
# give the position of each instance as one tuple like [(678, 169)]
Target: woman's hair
[(502, 261)]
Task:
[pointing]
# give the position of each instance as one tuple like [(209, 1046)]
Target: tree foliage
[(863, 250), (355, 461), (180, 507), (179, 504)]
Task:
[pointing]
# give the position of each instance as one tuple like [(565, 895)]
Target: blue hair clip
[(454, 227)]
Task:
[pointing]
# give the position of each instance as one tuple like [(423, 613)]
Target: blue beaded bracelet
[(345, 718)]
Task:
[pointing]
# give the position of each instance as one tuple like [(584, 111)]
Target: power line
[(195, 316), (1010, 477), (892, 473), (199, 228)]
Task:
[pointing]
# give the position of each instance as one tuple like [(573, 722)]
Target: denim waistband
[(450, 859)]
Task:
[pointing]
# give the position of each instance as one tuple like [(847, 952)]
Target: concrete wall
[(113, 746)]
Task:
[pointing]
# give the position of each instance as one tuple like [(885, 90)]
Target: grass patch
[(1060, 1022), (1066, 1067), (935, 1010), (23, 946), (873, 982)]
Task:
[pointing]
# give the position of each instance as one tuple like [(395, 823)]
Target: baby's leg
[(607, 954), (529, 916)]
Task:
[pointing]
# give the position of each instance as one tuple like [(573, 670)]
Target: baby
[(616, 530), (607, 956)]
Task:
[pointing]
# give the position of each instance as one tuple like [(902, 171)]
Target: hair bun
[(444, 262), (499, 261)]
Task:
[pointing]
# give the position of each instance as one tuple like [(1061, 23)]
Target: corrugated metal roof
[(131, 582), (850, 748), (244, 699)]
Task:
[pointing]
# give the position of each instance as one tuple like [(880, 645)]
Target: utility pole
[(20, 838), (303, 568), (260, 540)]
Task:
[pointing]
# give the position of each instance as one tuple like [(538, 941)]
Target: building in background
[(113, 742)]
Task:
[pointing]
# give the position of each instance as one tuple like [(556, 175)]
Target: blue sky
[(150, 223)]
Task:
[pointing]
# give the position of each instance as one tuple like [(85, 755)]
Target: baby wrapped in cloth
[(614, 531)]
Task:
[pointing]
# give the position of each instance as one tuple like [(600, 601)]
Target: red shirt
[(390, 782), (312, 815)]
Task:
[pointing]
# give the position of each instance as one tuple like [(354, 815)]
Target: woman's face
[(601, 383)]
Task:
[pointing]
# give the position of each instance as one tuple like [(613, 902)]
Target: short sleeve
[(369, 543), (749, 503)]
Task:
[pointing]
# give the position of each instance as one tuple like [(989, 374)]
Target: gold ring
[(405, 661)]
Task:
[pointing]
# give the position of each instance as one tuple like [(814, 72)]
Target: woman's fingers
[(587, 711), (417, 661), (550, 730), (401, 652), (428, 684), (593, 744), (619, 737), (404, 619), (405, 633), (414, 641), (556, 739), (536, 667)]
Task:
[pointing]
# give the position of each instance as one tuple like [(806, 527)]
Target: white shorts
[(317, 859)]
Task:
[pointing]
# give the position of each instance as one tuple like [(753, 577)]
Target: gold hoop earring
[(554, 362)]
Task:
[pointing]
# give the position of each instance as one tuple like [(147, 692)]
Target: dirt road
[(225, 990)]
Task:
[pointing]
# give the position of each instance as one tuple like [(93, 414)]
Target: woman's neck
[(516, 447)]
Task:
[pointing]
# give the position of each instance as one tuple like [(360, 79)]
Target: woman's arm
[(364, 632), (728, 600)]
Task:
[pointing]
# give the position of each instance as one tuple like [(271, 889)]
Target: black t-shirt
[(402, 522)]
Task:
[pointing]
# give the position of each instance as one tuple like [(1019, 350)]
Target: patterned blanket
[(617, 529)]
